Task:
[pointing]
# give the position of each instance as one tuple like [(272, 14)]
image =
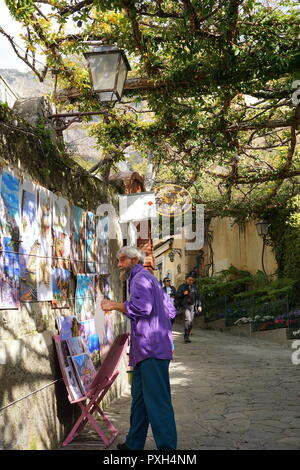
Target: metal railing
[(261, 315)]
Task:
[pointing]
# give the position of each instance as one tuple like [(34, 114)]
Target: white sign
[(136, 207)]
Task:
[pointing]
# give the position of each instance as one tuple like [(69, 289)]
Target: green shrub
[(229, 283), (235, 293)]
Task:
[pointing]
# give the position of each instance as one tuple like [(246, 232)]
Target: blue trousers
[(151, 403)]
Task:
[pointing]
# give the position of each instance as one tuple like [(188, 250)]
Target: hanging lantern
[(108, 67)]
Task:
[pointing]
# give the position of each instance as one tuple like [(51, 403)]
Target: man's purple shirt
[(150, 311)]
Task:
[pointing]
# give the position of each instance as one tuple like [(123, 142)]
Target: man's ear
[(136, 260)]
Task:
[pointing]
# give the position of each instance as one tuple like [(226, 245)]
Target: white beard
[(124, 273)]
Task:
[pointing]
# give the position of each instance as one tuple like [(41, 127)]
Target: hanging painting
[(61, 233), (44, 217), (77, 237), (10, 220), (9, 275), (9, 241), (85, 297), (29, 246), (103, 322), (102, 245), (60, 287), (90, 239), (61, 215), (60, 252)]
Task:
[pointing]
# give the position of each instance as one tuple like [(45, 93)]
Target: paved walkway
[(228, 392)]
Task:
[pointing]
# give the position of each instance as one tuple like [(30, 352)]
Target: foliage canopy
[(213, 94)]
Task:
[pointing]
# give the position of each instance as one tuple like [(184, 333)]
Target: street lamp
[(173, 251), (108, 68), (262, 228)]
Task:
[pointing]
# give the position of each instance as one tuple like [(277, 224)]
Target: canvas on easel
[(74, 388), (84, 370), (77, 345)]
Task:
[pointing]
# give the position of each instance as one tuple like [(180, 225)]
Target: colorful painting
[(2, 210), (85, 370), (90, 242), (73, 386), (44, 217), (9, 242), (91, 338), (60, 250), (77, 345), (108, 335), (103, 284), (10, 206), (29, 246), (61, 233), (61, 215), (60, 287), (64, 325), (103, 322), (85, 297), (77, 238), (99, 313), (101, 292), (102, 245), (9, 275)]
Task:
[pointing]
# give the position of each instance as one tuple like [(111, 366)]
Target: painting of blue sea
[(89, 334), (10, 188), (85, 297)]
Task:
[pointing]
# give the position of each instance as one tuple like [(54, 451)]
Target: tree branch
[(265, 125), (191, 12), (70, 9), (41, 75)]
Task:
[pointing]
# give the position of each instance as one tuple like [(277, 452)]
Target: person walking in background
[(149, 310), (171, 291), (188, 296)]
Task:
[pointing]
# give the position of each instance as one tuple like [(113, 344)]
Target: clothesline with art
[(43, 240)]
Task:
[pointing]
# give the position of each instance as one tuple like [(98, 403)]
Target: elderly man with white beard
[(150, 311)]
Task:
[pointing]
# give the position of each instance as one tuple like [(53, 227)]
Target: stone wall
[(34, 409)]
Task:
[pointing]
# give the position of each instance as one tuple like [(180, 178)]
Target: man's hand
[(186, 292), (199, 309), (107, 305)]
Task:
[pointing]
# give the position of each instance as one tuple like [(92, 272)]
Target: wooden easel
[(90, 403)]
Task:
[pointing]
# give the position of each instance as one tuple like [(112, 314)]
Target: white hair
[(132, 252)]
